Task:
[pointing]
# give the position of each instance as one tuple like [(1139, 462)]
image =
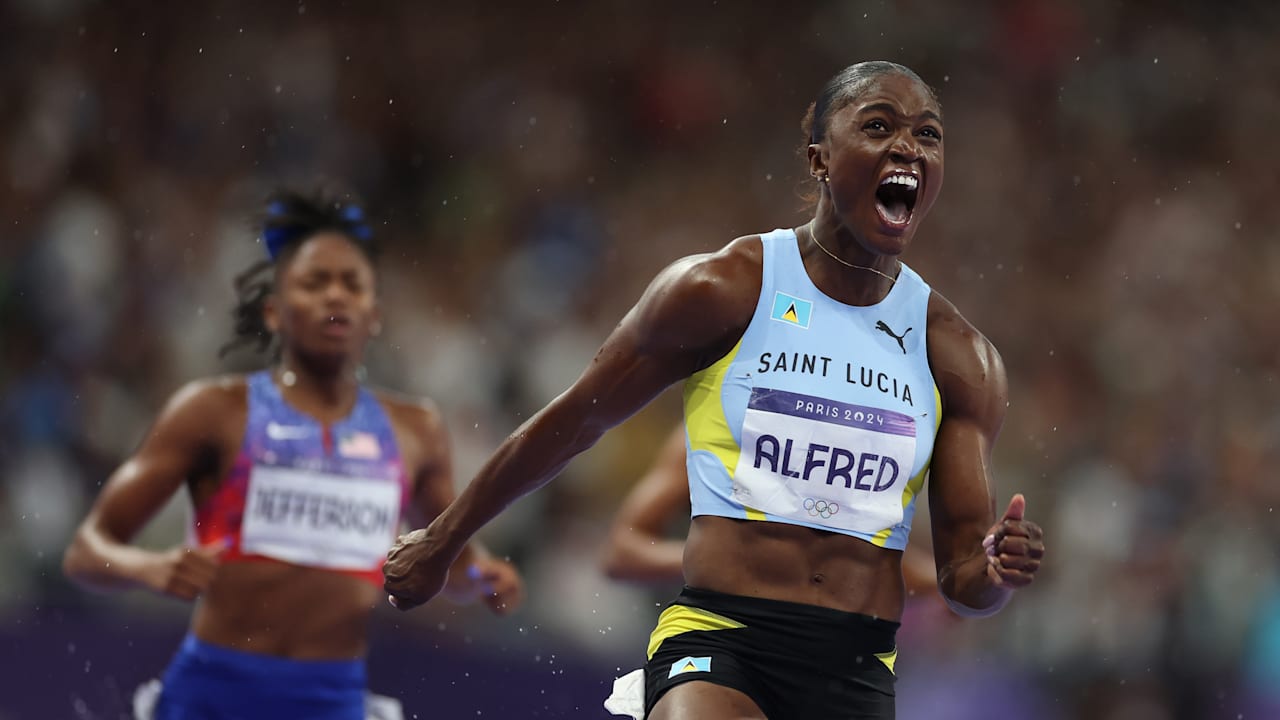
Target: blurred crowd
[(1110, 223)]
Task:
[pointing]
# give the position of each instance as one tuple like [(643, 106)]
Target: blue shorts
[(208, 682)]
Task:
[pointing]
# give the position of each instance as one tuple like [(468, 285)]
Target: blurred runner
[(299, 476)]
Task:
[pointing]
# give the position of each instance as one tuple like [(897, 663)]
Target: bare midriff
[(287, 611), (796, 564)]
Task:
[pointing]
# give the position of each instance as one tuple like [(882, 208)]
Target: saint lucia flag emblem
[(690, 664), (791, 310)]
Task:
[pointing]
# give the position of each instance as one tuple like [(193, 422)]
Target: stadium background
[(1109, 221)]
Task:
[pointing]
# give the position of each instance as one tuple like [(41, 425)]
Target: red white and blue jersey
[(322, 496)]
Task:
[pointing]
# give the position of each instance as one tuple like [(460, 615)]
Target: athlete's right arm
[(637, 548), (183, 442), (691, 315)]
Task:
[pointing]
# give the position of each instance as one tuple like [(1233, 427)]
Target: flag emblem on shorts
[(791, 310), (360, 445), (690, 664)]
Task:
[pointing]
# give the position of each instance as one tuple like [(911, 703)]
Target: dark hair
[(845, 87), (289, 218)]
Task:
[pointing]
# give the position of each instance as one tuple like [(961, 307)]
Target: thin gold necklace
[(844, 262)]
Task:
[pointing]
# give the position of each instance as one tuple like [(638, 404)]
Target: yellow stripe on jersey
[(888, 658), (704, 420), (915, 484), (679, 619)]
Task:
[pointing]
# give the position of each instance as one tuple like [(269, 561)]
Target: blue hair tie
[(354, 215), (277, 238)]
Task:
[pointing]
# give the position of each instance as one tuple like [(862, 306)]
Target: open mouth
[(896, 198), (337, 325)]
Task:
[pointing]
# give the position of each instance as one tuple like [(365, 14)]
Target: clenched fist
[(1014, 547), (415, 571), (185, 572)]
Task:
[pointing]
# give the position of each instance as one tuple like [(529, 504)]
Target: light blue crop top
[(823, 415)]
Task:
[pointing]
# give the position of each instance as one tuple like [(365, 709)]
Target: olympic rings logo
[(821, 508)]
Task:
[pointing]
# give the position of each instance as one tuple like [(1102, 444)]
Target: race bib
[(826, 462), (319, 520)]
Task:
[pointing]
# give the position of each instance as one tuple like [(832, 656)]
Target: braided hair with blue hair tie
[(290, 219), (287, 221)]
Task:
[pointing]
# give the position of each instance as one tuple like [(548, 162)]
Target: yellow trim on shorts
[(754, 514), (680, 619), (705, 423), (915, 484), (888, 658)]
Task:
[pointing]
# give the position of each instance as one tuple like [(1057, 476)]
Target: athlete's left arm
[(476, 573), (980, 561)]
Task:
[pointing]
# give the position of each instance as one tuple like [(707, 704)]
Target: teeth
[(909, 181)]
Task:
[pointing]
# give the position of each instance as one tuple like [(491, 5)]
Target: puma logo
[(889, 331)]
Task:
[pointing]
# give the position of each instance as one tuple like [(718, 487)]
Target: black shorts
[(797, 662)]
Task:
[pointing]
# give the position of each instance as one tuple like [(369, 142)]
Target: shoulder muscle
[(198, 413), (701, 302), (969, 371)]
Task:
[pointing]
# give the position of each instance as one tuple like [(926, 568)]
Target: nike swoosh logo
[(275, 431)]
